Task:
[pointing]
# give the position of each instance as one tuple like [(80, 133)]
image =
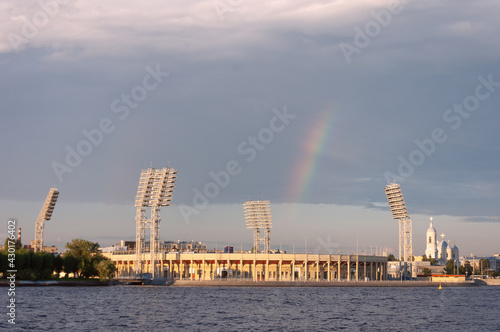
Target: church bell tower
[(431, 244)]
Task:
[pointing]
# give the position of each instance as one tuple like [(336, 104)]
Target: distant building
[(495, 263), (180, 246), (228, 250), (116, 247), (51, 249), (431, 250), (439, 250)]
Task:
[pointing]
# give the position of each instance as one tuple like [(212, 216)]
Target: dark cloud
[(225, 79)]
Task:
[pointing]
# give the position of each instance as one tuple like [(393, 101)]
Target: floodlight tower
[(45, 214), (156, 188), (399, 212), (257, 217)]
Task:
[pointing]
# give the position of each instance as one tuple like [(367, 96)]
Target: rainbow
[(311, 152)]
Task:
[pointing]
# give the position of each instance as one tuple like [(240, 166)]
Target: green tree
[(17, 244), (391, 258), (434, 261), (424, 258), (23, 259), (4, 263), (36, 261), (81, 249), (426, 271), (466, 269), (88, 266), (86, 253), (106, 269), (47, 265), (70, 264), (58, 264), (450, 267), (484, 264)]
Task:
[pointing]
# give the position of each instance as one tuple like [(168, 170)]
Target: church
[(442, 250)]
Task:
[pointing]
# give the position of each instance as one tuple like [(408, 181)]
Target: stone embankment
[(232, 283)]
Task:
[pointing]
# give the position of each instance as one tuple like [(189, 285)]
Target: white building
[(116, 247), (440, 250), (431, 250)]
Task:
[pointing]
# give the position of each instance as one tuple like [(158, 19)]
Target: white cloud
[(109, 28)]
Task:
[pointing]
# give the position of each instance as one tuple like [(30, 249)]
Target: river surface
[(161, 308)]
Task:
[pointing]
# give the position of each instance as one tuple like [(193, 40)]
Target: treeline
[(82, 258), (30, 265)]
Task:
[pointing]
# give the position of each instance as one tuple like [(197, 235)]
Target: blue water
[(150, 308)]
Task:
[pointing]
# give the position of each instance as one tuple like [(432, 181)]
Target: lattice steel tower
[(156, 188), (257, 217), (399, 212), (45, 214)]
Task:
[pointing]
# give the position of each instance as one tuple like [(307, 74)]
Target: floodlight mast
[(45, 214), (155, 189), (400, 213), (257, 217)]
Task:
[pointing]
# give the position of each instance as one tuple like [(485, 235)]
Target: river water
[(161, 308)]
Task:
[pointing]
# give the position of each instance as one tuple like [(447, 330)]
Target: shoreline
[(55, 283), (213, 283), (260, 284)]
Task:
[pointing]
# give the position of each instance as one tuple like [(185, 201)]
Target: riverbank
[(488, 282), (62, 282), (232, 283)]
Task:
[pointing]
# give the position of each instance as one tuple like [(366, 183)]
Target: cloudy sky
[(313, 105)]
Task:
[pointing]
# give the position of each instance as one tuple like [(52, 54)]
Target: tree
[(450, 267), (391, 258), (36, 262), (17, 244), (81, 249), (89, 266), (424, 258), (83, 255), (58, 264), (4, 263), (434, 261), (70, 264), (106, 269), (466, 269), (484, 264), (47, 265), (426, 271)]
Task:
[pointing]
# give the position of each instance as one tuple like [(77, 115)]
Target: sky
[(313, 105)]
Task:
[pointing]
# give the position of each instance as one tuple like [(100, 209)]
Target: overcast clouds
[(229, 64)]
